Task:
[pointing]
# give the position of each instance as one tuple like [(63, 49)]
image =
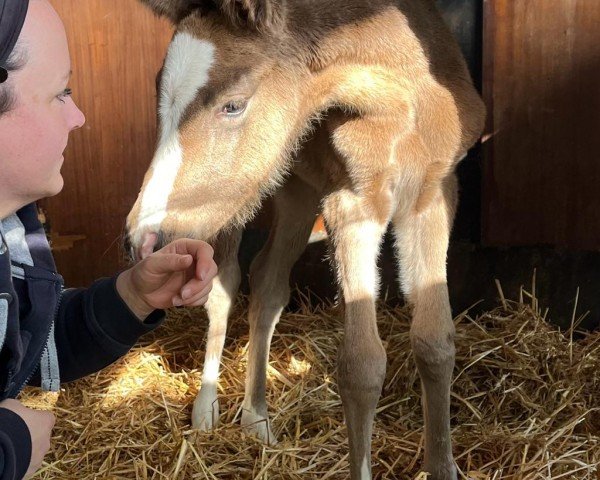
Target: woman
[(48, 334)]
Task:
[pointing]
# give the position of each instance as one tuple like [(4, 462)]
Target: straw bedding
[(526, 404)]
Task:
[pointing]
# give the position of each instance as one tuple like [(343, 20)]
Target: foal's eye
[(234, 108), (64, 94)]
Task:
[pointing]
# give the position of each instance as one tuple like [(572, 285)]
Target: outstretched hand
[(40, 424), (179, 274)]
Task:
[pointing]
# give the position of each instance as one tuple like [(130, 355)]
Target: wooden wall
[(117, 48), (542, 154), (541, 167)]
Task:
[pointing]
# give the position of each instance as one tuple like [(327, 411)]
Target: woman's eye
[(231, 109), (64, 94)]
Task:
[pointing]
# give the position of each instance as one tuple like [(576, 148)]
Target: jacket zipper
[(47, 336)]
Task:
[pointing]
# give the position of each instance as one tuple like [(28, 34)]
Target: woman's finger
[(194, 285), (163, 263), (198, 303), (191, 301)]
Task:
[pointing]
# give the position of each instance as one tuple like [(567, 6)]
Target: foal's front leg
[(296, 207), (357, 236), (205, 414)]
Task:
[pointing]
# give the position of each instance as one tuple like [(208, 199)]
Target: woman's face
[(34, 134)]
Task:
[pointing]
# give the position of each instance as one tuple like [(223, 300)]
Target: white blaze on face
[(185, 71)]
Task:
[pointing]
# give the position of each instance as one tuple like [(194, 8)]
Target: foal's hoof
[(205, 414), (442, 472), (258, 426)]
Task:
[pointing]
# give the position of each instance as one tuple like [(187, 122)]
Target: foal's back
[(406, 47)]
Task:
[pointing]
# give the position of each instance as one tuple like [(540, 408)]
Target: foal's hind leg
[(296, 207), (422, 243), (205, 414), (357, 233)]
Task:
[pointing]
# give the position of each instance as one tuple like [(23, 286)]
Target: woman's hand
[(180, 274), (40, 424)]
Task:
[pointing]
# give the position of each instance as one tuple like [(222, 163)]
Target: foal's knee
[(362, 366), (433, 350), (432, 333)]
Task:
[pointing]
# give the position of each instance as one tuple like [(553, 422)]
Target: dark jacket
[(49, 334)]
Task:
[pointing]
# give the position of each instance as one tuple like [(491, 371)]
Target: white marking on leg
[(185, 71), (365, 474), (211, 371), (205, 414), (359, 264)]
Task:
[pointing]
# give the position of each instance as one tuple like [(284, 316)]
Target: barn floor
[(526, 404)]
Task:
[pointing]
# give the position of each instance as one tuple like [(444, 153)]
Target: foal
[(359, 109)]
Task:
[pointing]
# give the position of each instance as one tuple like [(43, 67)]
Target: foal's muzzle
[(151, 242)]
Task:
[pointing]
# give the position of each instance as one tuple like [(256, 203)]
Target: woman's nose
[(77, 119)]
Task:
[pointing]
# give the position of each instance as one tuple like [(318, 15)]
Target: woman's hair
[(16, 61)]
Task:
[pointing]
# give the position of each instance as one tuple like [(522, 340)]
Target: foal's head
[(230, 111)]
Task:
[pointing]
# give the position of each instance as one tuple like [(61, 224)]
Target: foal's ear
[(266, 16), (175, 10)]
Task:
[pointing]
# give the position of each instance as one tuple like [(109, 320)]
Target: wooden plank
[(541, 152), (117, 48)]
